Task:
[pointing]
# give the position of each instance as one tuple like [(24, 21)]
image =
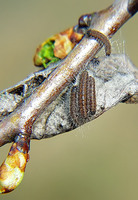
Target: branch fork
[(62, 100)]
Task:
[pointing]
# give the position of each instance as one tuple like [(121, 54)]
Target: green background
[(96, 161)]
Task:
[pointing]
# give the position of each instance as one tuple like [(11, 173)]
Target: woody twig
[(107, 22)]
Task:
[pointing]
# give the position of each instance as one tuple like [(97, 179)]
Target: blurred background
[(96, 161)]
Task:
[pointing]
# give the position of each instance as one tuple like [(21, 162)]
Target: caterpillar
[(83, 99)]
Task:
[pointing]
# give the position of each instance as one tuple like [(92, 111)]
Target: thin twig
[(107, 21)]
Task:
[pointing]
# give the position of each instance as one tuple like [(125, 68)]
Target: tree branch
[(58, 84)]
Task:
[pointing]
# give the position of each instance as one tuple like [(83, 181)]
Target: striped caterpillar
[(83, 99)]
